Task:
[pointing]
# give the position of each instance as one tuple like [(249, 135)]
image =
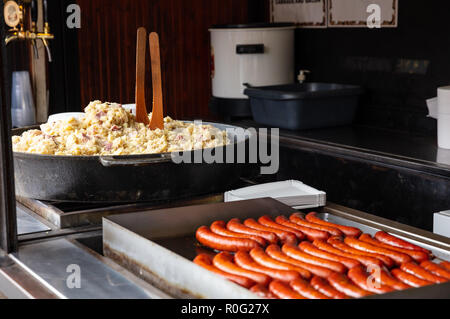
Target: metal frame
[(93, 217), (8, 223)]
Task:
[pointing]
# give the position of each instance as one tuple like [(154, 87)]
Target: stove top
[(62, 216)]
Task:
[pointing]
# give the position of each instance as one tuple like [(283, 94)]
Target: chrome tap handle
[(47, 47), (35, 49)]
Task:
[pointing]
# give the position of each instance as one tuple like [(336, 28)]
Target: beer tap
[(13, 14), (34, 15), (46, 35)]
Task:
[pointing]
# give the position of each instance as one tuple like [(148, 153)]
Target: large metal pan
[(159, 245), (124, 178)]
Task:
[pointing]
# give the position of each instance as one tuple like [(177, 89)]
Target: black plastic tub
[(304, 106)]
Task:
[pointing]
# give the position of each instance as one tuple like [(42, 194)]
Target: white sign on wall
[(336, 13), (305, 13), (362, 13)]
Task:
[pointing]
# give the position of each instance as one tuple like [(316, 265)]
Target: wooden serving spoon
[(141, 47), (157, 121)]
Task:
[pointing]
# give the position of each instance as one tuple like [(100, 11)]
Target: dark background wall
[(98, 61), (382, 60), (107, 43)]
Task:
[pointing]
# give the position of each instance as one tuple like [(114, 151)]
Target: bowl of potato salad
[(110, 129), (105, 155)]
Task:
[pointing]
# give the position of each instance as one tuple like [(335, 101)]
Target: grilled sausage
[(422, 273), (409, 279), (244, 260), (365, 260), (275, 252), (207, 238), (236, 226), (339, 244), (436, 269), (324, 287), (205, 261), (306, 290), (284, 236), (418, 256), (268, 222), (398, 257), (313, 250), (262, 292), (219, 227), (397, 242), (310, 233), (445, 264), (224, 261), (347, 230), (341, 283), (361, 279), (297, 218), (283, 291), (293, 252), (262, 258)]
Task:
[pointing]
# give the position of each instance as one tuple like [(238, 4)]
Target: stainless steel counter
[(48, 261), (56, 262), (48, 255)]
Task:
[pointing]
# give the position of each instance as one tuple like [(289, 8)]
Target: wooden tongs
[(157, 120)]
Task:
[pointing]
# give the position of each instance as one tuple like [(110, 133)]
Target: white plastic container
[(258, 54), (444, 117), (292, 193), (441, 223)]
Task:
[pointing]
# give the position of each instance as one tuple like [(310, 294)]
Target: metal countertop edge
[(44, 290), (38, 278), (385, 159), (390, 226), (18, 282)]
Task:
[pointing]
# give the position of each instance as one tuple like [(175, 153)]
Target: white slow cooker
[(250, 54)]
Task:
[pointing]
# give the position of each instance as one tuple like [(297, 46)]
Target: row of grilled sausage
[(330, 261)]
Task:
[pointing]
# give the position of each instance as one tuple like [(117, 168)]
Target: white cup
[(23, 112), (444, 131), (444, 100), (443, 156)]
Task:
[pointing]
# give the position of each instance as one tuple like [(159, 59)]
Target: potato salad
[(109, 129)]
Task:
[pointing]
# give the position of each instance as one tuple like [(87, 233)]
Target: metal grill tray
[(159, 245)]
